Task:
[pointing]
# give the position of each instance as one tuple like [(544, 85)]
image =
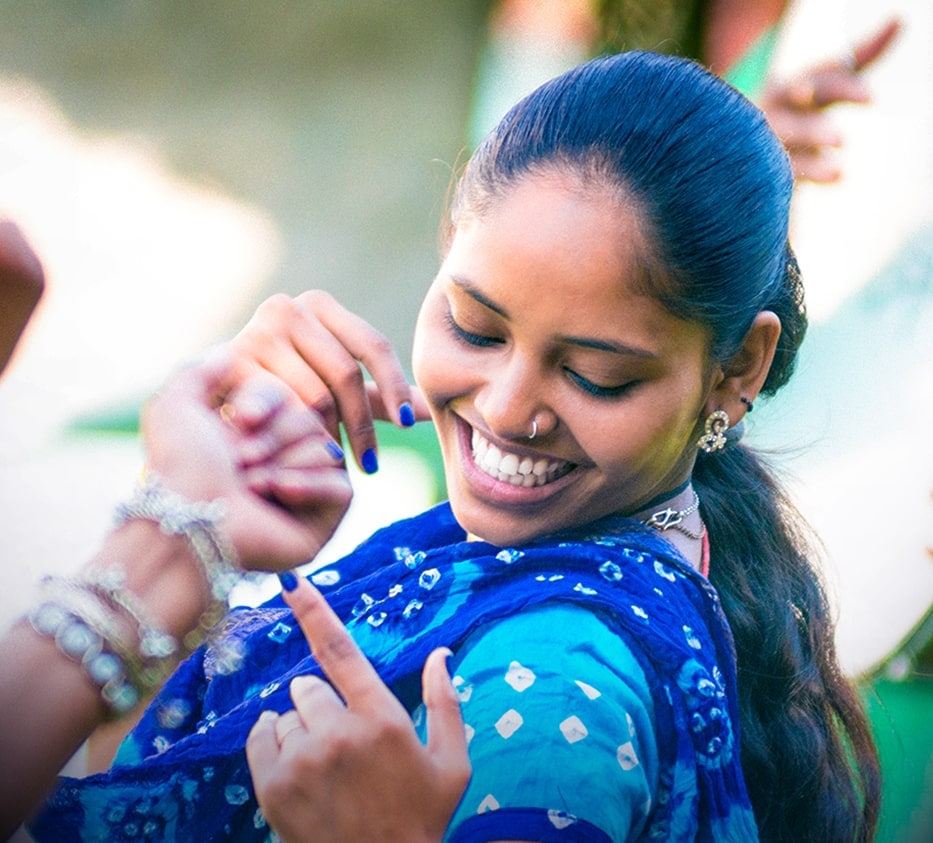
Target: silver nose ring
[(534, 429)]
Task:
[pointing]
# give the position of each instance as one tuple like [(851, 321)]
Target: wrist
[(160, 570)]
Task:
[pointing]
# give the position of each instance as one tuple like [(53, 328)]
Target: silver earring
[(714, 432), (534, 429)]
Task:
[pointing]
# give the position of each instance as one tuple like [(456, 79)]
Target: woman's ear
[(744, 375)]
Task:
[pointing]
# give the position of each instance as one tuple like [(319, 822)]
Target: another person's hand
[(346, 764), (796, 108), (280, 473), (319, 349), (22, 282)]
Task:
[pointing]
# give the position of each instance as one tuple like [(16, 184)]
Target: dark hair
[(713, 185)]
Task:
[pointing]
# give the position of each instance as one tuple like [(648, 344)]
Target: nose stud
[(534, 429)]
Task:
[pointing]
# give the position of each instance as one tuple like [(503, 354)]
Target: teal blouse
[(560, 725)]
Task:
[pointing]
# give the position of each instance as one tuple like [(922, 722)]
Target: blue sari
[(415, 585)]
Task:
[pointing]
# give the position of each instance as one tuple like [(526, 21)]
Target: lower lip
[(497, 491)]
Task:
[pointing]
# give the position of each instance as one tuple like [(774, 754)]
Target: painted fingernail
[(334, 449), (289, 580), (406, 415), (370, 461)]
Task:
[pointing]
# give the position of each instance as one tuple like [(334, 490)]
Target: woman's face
[(534, 317)]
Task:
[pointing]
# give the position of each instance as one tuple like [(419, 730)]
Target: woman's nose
[(512, 401)]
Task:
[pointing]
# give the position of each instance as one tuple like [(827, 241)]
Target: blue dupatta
[(415, 585)]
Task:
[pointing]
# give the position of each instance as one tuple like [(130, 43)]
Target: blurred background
[(174, 163)]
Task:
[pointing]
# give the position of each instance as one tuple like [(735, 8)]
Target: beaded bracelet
[(142, 649), (198, 522), (109, 583), (80, 642)]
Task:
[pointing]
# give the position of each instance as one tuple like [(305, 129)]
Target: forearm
[(48, 705)]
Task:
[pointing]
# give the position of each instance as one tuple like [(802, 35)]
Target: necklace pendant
[(665, 519)]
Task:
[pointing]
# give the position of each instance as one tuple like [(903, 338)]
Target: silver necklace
[(670, 518)]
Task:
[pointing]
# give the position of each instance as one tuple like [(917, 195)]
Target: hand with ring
[(279, 471), (320, 351), (796, 107), (346, 763)]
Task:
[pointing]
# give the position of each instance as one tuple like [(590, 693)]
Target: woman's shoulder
[(553, 698)]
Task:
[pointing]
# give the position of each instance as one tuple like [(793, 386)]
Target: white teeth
[(509, 464), (491, 459), (510, 468)]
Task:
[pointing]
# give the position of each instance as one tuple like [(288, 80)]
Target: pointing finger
[(342, 661)]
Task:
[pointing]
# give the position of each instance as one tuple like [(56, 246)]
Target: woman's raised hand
[(346, 764), (279, 471), (796, 107), (319, 349)]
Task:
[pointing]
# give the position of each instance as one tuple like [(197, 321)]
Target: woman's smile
[(610, 384), (515, 468), (507, 475)]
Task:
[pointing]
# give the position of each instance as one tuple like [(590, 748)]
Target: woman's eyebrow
[(472, 292), (584, 342), (609, 345)]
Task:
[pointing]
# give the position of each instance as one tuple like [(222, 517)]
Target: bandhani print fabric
[(418, 584)]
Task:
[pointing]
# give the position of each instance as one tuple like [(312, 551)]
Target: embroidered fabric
[(182, 774)]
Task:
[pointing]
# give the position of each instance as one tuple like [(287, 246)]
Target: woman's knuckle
[(337, 648), (277, 305), (324, 404), (314, 299), (381, 344), (347, 375)]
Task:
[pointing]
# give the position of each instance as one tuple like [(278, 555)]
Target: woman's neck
[(677, 519)]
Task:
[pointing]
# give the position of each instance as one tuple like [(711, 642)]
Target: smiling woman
[(642, 648), (537, 318)]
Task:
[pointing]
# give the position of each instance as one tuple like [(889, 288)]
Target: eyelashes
[(596, 390), (582, 383), (469, 337)]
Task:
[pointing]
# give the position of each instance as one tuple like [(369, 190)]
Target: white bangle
[(110, 583), (84, 631), (197, 521)]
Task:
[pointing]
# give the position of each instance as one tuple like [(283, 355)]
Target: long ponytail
[(807, 752)]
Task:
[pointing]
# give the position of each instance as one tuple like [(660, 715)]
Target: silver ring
[(849, 61), (534, 429)]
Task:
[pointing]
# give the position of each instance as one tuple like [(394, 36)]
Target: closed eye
[(469, 337), (597, 391)]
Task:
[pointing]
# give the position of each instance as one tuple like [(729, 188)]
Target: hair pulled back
[(712, 186)]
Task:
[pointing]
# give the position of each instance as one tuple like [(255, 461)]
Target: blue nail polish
[(370, 461), (406, 415), (334, 449), (289, 580)]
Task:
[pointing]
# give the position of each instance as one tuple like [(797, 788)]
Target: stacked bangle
[(199, 523), (95, 644), (154, 642), (98, 623)]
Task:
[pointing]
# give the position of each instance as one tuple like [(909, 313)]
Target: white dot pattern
[(522, 707)]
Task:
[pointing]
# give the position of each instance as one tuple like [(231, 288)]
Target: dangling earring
[(714, 432)]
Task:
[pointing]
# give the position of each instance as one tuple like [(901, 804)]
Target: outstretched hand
[(796, 108), (346, 764), (280, 473), (319, 349)]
